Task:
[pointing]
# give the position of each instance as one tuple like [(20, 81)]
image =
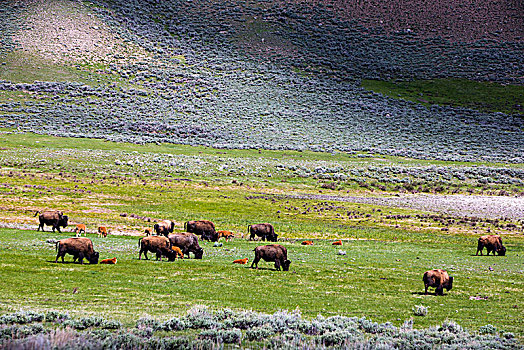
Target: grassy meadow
[(387, 249)]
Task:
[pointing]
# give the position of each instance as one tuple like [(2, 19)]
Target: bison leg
[(255, 262), (81, 258), (426, 289), (277, 265), (158, 254), (439, 290)]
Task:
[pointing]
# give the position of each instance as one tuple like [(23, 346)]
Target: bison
[(439, 279), (79, 228), (493, 243), (164, 227), (265, 231), (272, 252), (307, 243), (102, 231), (188, 243), (205, 228), (53, 218), (79, 247), (109, 261), (339, 242), (240, 261), (159, 245), (226, 234)]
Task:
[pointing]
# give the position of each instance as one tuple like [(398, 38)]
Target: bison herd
[(177, 245)]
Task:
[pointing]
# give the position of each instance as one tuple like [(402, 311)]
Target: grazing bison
[(102, 231), (109, 261), (188, 243), (79, 247), (493, 243), (439, 279), (272, 252), (159, 245), (164, 227), (79, 228), (53, 218), (205, 228), (265, 231)]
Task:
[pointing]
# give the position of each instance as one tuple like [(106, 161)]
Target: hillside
[(271, 75)]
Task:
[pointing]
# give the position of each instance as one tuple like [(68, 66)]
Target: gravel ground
[(489, 207)]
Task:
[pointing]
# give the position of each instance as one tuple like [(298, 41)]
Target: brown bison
[(53, 218), (240, 261), (188, 243), (159, 245), (439, 279), (164, 227), (205, 228), (272, 252), (79, 248), (265, 231), (493, 243)]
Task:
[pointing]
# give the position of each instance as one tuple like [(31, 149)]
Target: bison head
[(285, 267), (93, 259), (273, 238), (171, 255), (63, 221), (199, 253), (449, 285), (172, 227), (501, 251)]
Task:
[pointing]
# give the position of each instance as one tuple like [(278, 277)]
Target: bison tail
[(37, 212), (56, 245), (248, 229), (139, 242), (185, 226)]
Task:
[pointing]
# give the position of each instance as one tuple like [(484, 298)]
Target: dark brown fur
[(188, 243), (159, 245), (53, 218), (439, 279), (205, 228), (493, 243), (79, 247), (272, 252), (265, 231)]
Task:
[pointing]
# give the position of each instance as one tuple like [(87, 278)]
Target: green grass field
[(380, 277)]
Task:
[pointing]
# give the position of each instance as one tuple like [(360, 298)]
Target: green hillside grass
[(481, 96)]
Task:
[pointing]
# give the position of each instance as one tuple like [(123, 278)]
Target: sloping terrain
[(273, 75)]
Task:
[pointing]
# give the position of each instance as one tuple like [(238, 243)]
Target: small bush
[(259, 333), (420, 310), (488, 329)]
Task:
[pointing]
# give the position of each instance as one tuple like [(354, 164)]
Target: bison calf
[(493, 243), (272, 252), (240, 261), (109, 261), (307, 243), (439, 279), (102, 231), (79, 228)]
